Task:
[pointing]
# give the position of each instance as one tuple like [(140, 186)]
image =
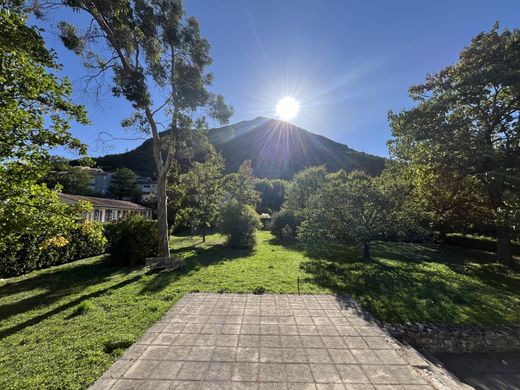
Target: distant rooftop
[(102, 202)]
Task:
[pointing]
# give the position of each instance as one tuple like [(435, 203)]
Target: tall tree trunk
[(162, 217), (204, 233), (366, 251)]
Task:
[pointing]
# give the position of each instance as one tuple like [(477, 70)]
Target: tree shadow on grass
[(196, 257), (56, 284), (36, 319), (408, 282)]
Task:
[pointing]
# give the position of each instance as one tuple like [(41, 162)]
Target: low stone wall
[(458, 339)]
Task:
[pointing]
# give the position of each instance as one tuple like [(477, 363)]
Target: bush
[(19, 255), (477, 242), (239, 224), (283, 225), (132, 240)]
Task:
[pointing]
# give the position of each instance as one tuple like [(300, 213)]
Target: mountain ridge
[(277, 149)]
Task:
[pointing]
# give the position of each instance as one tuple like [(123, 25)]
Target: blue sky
[(347, 62)]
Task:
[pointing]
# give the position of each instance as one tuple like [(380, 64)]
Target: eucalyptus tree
[(466, 120), (158, 61)]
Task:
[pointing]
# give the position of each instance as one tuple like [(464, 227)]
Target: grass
[(61, 328)]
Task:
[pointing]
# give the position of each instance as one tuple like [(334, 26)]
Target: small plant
[(83, 308), (117, 344), (259, 290)]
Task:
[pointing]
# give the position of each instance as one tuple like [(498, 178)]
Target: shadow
[(57, 283), (35, 320), (196, 257), (418, 283)]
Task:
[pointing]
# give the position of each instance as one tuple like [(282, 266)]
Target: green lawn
[(61, 328)]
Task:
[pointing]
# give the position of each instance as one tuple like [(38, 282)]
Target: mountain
[(277, 150)]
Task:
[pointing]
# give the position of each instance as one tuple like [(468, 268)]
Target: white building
[(106, 210)]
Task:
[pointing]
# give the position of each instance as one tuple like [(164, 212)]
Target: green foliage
[(33, 251), (302, 187), (349, 208), (132, 240), (124, 184), (477, 242), (203, 184), (406, 282), (466, 122), (239, 224), (240, 186), (283, 225), (71, 179), (272, 194), (151, 46)]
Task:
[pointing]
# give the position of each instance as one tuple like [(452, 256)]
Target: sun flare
[(287, 108)]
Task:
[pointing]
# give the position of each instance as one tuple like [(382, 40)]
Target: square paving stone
[(299, 373), (351, 373), (245, 372), (272, 372), (218, 371), (325, 373), (192, 370)]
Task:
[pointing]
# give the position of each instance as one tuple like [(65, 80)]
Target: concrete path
[(238, 341), (484, 371)]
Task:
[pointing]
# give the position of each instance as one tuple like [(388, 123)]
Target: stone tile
[(301, 386), (166, 369), (271, 355), (245, 372), (249, 341), (330, 386), (366, 356), (351, 373), (299, 373), (218, 371), (177, 353), (308, 330), (377, 342), (192, 370), (312, 342), (269, 340), (227, 340), (342, 356), (390, 356), (141, 369), (230, 329), (185, 385), (272, 372), (346, 330), (290, 341), (354, 342), (224, 354), (247, 354), (294, 355), (127, 384), (333, 342), (200, 354), (318, 356), (165, 339), (325, 373)]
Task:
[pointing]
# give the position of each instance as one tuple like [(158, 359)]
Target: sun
[(287, 108)]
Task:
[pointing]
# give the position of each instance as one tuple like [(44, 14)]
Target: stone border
[(458, 339)]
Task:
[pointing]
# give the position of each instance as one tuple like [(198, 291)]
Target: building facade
[(107, 210)]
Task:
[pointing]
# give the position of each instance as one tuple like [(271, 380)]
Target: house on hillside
[(106, 210)]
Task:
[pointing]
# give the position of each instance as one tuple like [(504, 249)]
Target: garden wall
[(458, 339)]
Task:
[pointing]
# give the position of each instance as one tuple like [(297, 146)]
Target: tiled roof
[(103, 202)]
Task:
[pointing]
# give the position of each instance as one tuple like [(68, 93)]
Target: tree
[(35, 115), (272, 194), (72, 179), (302, 187), (348, 208), (123, 184), (158, 61), (466, 121), (241, 185), (204, 189)]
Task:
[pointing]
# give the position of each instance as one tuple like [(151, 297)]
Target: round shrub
[(239, 224), (283, 225), (132, 240)]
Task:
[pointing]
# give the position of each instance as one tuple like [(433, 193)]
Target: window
[(96, 215), (108, 215)]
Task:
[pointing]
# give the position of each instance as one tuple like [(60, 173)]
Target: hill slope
[(277, 150)]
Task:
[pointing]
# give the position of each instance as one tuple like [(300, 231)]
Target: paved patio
[(238, 341)]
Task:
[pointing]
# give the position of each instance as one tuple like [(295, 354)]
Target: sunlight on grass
[(61, 328)]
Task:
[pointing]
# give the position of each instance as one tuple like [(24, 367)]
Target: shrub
[(19, 255), (283, 225), (239, 224), (132, 240), (477, 242)]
